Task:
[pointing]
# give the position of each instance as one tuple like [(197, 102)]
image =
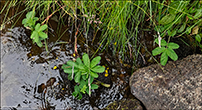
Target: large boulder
[(177, 85)]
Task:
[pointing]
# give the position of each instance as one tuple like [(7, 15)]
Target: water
[(24, 67)]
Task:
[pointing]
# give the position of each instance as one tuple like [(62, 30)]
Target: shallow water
[(24, 67)]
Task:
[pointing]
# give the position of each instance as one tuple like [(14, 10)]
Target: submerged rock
[(128, 104), (178, 85)]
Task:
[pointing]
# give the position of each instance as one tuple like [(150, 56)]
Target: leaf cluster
[(167, 50), (83, 73), (37, 34)]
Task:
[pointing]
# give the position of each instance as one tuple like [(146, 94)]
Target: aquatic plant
[(83, 73), (37, 34)]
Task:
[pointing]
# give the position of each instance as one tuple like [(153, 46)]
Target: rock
[(128, 104), (177, 86)]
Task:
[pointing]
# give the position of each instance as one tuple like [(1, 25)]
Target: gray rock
[(178, 85)]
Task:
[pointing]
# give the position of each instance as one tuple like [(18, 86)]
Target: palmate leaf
[(95, 61), (98, 69)]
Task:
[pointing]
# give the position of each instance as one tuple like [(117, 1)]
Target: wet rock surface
[(178, 85), (128, 104)]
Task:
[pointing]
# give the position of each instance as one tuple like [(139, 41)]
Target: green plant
[(83, 73), (166, 50), (37, 34)]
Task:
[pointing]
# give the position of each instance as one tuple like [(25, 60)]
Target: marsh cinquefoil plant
[(37, 34), (83, 73), (167, 50)]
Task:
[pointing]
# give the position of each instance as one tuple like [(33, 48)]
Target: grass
[(120, 22)]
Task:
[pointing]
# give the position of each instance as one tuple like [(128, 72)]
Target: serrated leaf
[(43, 27), (171, 53), (163, 42), (43, 35), (158, 50), (164, 58), (182, 28), (86, 60), (167, 19), (93, 74), (94, 86), (198, 38), (173, 45), (77, 77), (98, 69), (95, 61)]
